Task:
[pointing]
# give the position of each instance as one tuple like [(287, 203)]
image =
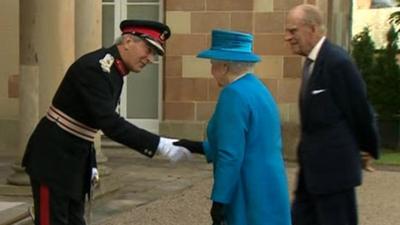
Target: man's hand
[(95, 176), (366, 160), (218, 214), (172, 152), (193, 146)]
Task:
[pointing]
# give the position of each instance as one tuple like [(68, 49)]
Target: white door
[(141, 99)]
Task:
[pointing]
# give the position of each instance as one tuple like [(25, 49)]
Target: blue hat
[(230, 46)]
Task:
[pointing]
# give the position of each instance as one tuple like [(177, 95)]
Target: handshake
[(177, 150)]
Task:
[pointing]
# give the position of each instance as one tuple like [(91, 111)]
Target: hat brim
[(229, 56), (159, 48)]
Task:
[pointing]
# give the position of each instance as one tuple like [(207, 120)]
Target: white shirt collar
[(238, 77), (314, 52)]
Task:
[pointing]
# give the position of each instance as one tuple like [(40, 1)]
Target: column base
[(19, 177)]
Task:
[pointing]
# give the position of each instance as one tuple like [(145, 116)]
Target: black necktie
[(306, 75)]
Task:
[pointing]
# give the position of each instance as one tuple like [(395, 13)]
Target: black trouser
[(339, 208), (54, 208)]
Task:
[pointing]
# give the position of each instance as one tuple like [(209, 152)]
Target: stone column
[(46, 50), (88, 38), (87, 26), (339, 21), (56, 22), (28, 117), (28, 86)]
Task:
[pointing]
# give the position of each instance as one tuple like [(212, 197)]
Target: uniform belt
[(71, 125)]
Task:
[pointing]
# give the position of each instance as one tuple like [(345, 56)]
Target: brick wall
[(191, 92)]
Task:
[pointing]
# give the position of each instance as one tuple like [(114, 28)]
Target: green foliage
[(380, 71), (363, 53), (387, 78), (389, 157), (394, 18)]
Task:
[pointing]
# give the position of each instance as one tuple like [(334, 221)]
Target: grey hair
[(312, 16), (237, 67), (121, 38), (240, 67)]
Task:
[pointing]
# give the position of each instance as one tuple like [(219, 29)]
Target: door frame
[(120, 13)]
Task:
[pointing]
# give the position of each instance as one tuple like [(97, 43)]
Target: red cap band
[(154, 34)]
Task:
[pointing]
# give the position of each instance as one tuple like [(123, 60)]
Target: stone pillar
[(28, 86), (28, 117), (46, 50), (339, 21), (87, 26), (88, 38), (56, 22)]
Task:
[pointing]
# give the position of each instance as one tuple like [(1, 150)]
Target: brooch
[(106, 63)]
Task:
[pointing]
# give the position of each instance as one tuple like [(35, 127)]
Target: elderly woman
[(244, 139)]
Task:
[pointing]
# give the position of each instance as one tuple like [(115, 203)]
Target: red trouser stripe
[(44, 205)]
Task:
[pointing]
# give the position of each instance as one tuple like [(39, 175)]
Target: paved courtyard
[(379, 203), (154, 192)]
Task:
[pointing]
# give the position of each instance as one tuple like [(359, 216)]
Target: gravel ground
[(378, 198)]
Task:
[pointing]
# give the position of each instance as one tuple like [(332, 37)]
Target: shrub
[(380, 71), (363, 54), (387, 78)]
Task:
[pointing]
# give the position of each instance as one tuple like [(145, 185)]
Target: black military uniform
[(60, 151)]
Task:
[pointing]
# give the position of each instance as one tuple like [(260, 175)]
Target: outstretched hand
[(193, 146), (172, 152)]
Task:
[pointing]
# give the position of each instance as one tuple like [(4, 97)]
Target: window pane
[(142, 93), (143, 12), (108, 25)]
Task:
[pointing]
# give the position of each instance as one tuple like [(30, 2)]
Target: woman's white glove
[(172, 152)]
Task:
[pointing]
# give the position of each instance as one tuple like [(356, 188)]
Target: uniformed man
[(60, 156)]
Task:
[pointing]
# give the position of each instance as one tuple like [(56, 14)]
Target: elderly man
[(337, 125), (60, 157)]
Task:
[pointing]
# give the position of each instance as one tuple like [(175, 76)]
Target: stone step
[(14, 213)]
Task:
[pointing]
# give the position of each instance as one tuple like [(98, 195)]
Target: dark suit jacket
[(90, 96), (337, 122)]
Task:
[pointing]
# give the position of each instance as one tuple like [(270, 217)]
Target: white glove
[(95, 176), (172, 152)]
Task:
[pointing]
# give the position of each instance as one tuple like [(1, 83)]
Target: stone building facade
[(41, 38)]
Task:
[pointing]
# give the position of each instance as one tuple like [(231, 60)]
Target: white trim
[(156, 44), (143, 3), (119, 15), (160, 71)]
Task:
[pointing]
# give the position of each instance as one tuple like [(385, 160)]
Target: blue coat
[(244, 145)]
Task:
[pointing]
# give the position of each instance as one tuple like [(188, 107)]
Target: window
[(141, 98)]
